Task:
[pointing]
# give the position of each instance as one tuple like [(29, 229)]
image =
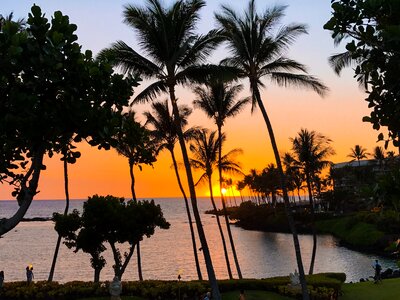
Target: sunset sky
[(338, 115)]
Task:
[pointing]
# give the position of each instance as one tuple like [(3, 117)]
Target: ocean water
[(169, 252)]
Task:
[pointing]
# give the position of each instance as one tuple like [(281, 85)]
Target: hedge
[(319, 284)]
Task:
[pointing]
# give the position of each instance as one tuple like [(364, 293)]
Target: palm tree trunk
[(132, 182), (221, 232), (204, 246), (196, 258), (139, 261), (289, 215), (97, 274), (228, 226), (139, 257), (310, 197), (66, 189)]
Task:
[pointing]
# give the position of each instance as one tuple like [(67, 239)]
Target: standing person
[(115, 289), (1, 279), (208, 296), (29, 274), (242, 296), (378, 268)]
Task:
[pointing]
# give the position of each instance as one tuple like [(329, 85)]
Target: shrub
[(320, 284)]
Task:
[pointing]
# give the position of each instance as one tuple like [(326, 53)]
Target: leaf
[(367, 119), (36, 11), (351, 46)]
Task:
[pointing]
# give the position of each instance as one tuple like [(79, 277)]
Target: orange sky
[(338, 116)]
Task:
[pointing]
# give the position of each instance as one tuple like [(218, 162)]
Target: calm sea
[(168, 252)]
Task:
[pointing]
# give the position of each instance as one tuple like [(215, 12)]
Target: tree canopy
[(127, 222), (372, 31), (52, 95)]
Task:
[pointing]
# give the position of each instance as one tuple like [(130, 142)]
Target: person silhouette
[(378, 268), (29, 274), (1, 279)]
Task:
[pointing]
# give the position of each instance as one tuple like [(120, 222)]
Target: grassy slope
[(354, 233), (389, 289)]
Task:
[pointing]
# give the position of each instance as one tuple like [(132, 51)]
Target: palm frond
[(198, 51), (124, 57), (300, 81), (151, 92)]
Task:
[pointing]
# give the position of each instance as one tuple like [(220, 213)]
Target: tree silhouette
[(133, 142), (65, 94), (358, 153), (258, 53), (205, 156), (218, 99), (294, 177), (311, 150), (379, 155), (126, 222), (165, 135), (175, 57)]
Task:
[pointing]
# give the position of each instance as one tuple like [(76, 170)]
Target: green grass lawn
[(108, 298), (254, 295), (389, 289), (250, 295)]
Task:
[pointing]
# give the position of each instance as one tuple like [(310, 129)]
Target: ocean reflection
[(260, 254)]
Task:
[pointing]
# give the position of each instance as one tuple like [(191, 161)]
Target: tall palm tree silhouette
[(311, 150), (218, 99), (174, 56), (133, 142), (67, 157), (205, 147), (258, 53), (165, 134)]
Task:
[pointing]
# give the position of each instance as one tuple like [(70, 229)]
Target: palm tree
[(258, 53), (10, 18), (342, 60), (175, 54), (358, 153), (379, 155), (205, 149), (292, 171), (166, 137), (67, 157), (133, 142), (218, 99), (240, 185), (270, 182), (311, 150)]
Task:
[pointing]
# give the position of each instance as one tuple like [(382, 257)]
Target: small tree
[(72, 227), (108, 219)]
